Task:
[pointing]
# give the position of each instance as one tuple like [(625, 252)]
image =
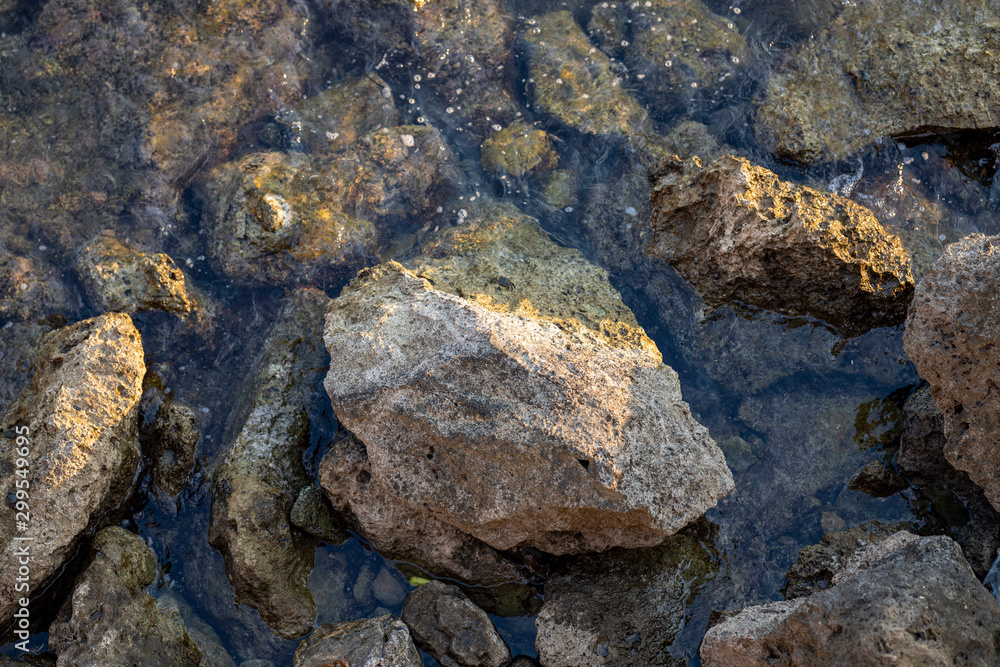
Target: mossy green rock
[(883, 68), (575, 82), (517, 149), (337, 118), (110, 619), (623, 607)]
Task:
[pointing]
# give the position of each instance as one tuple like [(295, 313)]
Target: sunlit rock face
[(951, 336), (501, 385), (79, 416), (738, 232), (882, 68)]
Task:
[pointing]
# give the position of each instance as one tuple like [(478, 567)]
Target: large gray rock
[(261, 472), (623, 607), (382, 641), (905, 601), (110, 619), (531, 410), (952, 337), (455, 632), (883, 68), (78, 420), (738, 232)]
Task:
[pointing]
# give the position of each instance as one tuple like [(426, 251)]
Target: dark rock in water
[(445, 624), (171, 432), (737, 232), (817, 563), (877, 481), (374, 510), (30, 289), (906, 600), (883, 68), (312, 514), (540, 415), (952, 336), (623, 607), (77, 422), (110, 619), (575, 82), (260, 474), (383, 641)]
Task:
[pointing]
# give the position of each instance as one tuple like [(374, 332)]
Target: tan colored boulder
[(503, 388), (79, 421), (738, 232), (952, 337)]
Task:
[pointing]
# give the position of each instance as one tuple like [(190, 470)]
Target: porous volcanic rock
[(951, 336), (261, 472), (738, 232), (444, 622), (383, 641), (905, 601), (883, 68), (79, 416), (504, 388), (110, 619)]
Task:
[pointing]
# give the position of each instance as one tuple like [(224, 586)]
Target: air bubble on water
[(736, 10), (630, 211), (42, 247), (417, 77), (189, 262), (925, 155), (694, 84), (470, 58), (439, 209), (497, 128), (411, 101), (568, 209), (462, 215), (942, 237), (416, 86), (205, 410), (669, 63), (736, 61), (450, 110)]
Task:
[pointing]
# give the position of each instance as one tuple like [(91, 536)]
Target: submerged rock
[(877, 480), (517, 149), (292, 218), (951, 336), (110, 619), (170, 430), (503, 387), (624, 607), (445, 623), (883, 68), (312, 514), (737, 232), (30, 289), (77, 424), (374, 510), (907, 600), (383, 641), (261, 472), (575, 82)]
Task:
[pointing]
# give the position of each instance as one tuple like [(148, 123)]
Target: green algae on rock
[(290, 218), (883, 68), (623, 607), (110, 619), (261, 472), (738, 232), (518, 149), (575, 82), (80, 415)]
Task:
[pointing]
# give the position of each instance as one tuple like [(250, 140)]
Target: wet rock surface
[(78, 418), (312, 514), (454, 631), (882, 68), (624, 607), (737, 231), (169, 433), (517, 149), (575, 82), (908, 600), (110, 619), (543, 344), (259, 476), (382, 641), (951, 337)]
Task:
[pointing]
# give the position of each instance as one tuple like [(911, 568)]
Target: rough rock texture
[(382, 641), (575, 82), (922, 443), (120, 278), (530, 411), (737, 232), (397, 530), (883, 68), (261, 472), (517, 149), (445, 624), (292, 218), (80, 416), (110, 619), (905, 601), (624, 607), (951, 336), (169, 434), (312, 514)]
